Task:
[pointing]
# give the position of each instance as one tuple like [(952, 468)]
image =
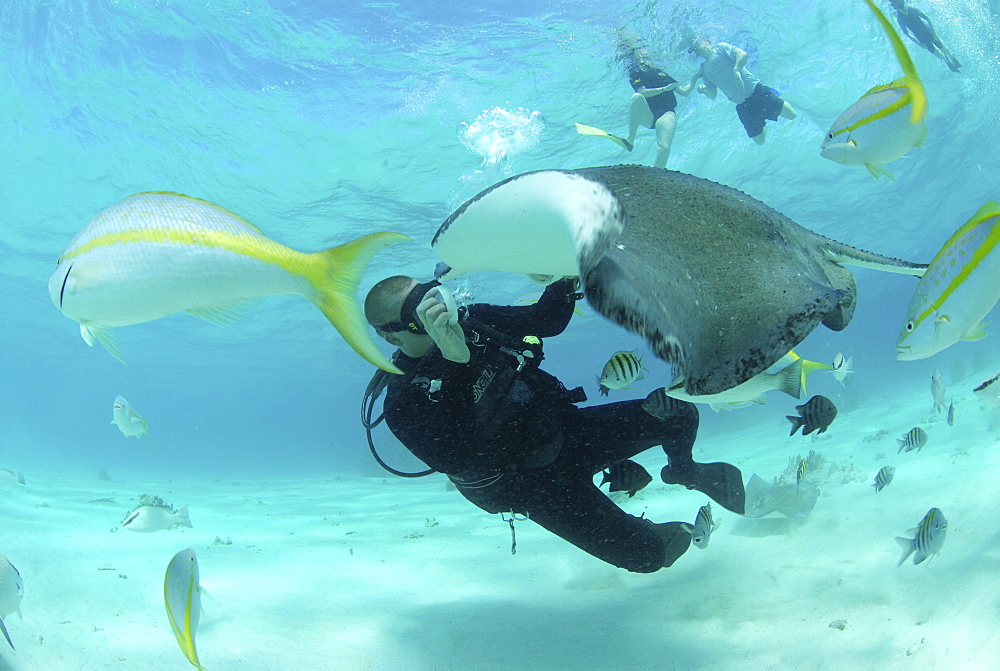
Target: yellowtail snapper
[(153, 254), (928, 537), (956, 292), (886, 122), (914, 439), (883, 478)]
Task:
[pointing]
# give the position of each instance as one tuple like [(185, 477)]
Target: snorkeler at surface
[(653, 105), (919, 28), (724, 68), (474, 404)]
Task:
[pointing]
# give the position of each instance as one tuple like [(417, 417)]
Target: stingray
[(719, 284), (791, 501)]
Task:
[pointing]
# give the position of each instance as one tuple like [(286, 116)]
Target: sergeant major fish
[(886, 122), (11, 593), (153, 254), (928, 537), (147, 519), (626, 476), (661, 406), (800, 473), (182, 596), (914, 439), (883, 478), (621, 370), (815, 415)]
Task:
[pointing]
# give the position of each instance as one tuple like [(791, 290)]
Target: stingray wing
[(721, 285)]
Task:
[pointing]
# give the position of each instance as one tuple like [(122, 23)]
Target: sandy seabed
[(385, 573)]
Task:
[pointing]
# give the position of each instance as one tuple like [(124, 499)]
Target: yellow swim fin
[(597, 132)]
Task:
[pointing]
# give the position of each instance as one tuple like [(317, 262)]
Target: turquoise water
[(320, 126)]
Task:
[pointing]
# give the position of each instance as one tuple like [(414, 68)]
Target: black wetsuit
[(646, 76), (535, 453)]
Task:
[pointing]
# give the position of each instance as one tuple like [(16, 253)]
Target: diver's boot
[(676, 537), (722, 482)]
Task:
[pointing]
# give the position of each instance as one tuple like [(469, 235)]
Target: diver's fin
[(597, 132)]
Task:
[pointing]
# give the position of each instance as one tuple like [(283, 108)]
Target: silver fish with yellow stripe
[(153, 254), (928, 537), (182, 595), (886, 122), (958, 290)]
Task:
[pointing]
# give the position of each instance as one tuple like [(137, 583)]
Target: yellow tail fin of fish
[(336, 289)]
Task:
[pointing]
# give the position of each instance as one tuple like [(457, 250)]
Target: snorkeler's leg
[(639, 114), (760, 137), (787, 111), (666, 125)]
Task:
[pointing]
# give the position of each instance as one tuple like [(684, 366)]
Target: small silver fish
[(621, 370), (928, 537), (951, 414), (883, 478), (704, 525), (914, 439), (937, 390), (147, 519), (800, 474)]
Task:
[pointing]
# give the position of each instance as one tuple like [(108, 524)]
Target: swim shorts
[(763, 103)]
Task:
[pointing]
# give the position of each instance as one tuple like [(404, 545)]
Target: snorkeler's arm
[(545, 318), (649, 93), (708, 89), (685, 89)]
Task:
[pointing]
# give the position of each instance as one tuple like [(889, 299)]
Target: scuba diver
[(919, 28), (474, 404)]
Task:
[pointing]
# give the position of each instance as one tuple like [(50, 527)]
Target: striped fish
[(704, 525), (153, 254), (886, 122), (883, 478), (914, 439), (661, 406), (800, 474), (959, 288), (182, 595), (928, 537), (816, 414), (621, 370), (843, 367)]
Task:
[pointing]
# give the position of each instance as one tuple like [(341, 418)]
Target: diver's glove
[(443, 327)]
